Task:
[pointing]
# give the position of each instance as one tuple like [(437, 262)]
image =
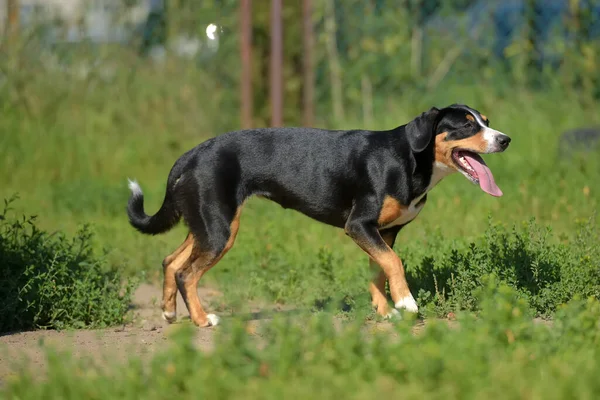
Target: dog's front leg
[(377, 286), (366, 235)]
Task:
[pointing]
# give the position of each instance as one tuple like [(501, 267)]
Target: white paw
[(392, 314), (407, 303), (169, 316), (213, 319)]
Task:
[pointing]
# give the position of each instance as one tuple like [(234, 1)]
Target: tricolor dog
[(369, 183)]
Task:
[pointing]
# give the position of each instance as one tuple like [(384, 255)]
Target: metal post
[(246, 57), (276, 64), (12, 10), (308, 92)]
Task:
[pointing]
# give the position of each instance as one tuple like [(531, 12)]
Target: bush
[(542, 271), (50, 281)]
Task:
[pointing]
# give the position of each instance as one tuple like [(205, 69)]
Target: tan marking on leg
[(198, 264), (377, 290), (377, 285), (391, 210), (188, 240), (392, 266), (169, 301), (188, 286), (234, 227), (171, 265)]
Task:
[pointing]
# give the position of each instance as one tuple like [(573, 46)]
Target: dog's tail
[(162, 221), (169, 214)]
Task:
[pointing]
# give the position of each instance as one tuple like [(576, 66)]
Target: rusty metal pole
[(246, 58), (12, 11), (276, 64), (308, 87)]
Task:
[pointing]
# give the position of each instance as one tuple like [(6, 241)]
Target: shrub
[(529, 259), (50, 281)]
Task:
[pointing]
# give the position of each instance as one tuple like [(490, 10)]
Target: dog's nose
[(503, 140)]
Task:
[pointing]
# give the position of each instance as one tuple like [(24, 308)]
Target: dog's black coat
[(336, 177)]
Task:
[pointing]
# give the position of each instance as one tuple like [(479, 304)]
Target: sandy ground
[(146, 335)]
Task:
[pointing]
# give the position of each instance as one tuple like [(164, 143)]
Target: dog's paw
[(392, 314), (169, 316), (213, 320), (407, 303)]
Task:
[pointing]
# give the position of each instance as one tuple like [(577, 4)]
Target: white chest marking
[(439, 172)]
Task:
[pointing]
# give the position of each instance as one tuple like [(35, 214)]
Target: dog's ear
[(419, 131)]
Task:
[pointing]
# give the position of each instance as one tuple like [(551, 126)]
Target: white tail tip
[(135, 188)]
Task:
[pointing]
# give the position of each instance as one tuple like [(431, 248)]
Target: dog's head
[(460, 134)]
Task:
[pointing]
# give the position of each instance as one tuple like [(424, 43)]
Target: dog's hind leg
[(171, 264), (171, 257), (207, 251)]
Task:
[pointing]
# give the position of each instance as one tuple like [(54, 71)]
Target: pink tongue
[(486, 179)]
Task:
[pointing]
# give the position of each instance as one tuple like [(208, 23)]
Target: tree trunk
[(335, 70)]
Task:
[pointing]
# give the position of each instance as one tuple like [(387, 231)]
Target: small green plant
[(50, 281), (542, 271)]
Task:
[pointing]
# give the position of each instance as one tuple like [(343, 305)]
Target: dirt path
[(146, 335)]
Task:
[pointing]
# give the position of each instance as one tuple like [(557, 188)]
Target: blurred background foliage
[(367, 53)]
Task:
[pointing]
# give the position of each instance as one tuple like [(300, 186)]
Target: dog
[(369, 183)]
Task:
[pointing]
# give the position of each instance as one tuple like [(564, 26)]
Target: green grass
[(502, 354)]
